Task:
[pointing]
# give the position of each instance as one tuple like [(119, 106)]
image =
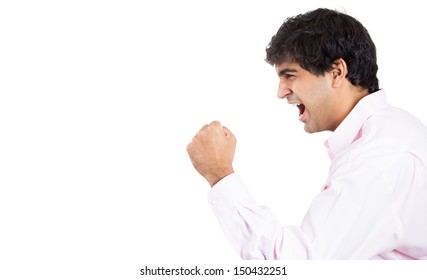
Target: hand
[(212, 151)]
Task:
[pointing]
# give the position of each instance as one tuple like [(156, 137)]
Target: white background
[(98, 100)]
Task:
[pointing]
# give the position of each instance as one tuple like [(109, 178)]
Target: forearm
[(253, 230)]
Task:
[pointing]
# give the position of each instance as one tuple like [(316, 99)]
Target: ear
[(339, 72)]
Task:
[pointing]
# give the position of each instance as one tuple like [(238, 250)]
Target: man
[(374, 202)]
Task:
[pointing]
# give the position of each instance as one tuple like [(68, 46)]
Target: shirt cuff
[(227, 194)]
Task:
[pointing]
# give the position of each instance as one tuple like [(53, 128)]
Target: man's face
[(313, 95)]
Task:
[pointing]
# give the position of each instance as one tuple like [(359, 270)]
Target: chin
[(311, 130)]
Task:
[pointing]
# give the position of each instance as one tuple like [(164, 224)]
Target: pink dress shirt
[(372, 206)]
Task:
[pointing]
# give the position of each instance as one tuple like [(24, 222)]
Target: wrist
[(213, 179)]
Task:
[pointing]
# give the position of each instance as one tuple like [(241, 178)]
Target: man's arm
[(252, 229)]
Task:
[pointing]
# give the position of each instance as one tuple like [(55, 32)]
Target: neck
[(347, 102)]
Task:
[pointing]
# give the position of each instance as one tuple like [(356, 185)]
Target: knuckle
[(188, 148), (216, 123), (203, 129)]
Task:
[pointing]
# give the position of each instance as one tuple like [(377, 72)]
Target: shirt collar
[(350, 128)]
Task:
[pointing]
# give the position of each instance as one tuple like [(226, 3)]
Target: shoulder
[(388, 135), (396, 123)]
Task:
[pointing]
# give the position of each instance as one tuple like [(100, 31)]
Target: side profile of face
[(315, 97)]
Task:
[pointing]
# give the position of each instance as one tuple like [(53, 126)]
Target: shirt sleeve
[(354, 217), (252, 229)]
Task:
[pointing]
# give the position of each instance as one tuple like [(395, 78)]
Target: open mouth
[(301, 109)]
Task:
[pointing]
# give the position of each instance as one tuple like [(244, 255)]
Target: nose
[(283, 91)]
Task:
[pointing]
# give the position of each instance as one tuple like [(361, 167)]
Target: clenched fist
[(212, 151)]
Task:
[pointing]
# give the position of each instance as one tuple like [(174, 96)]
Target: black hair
[(315, 40)]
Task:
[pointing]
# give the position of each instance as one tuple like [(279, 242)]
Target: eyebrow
[(286, 71)]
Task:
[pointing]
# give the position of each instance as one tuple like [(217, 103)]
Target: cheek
[(318, 110)]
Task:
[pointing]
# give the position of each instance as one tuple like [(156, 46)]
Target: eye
[(288, 77)]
